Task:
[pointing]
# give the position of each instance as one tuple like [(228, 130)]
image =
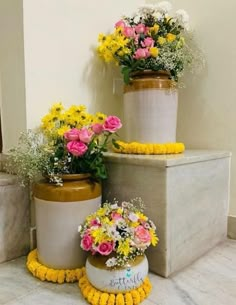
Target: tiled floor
[(209, 281)]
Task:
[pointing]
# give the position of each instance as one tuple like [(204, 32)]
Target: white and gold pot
[(150, 108), (59, 211), (118, 280)]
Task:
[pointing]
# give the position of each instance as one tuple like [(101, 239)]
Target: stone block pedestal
[(186, 195)]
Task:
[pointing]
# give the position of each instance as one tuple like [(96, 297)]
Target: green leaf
[(115, 144)]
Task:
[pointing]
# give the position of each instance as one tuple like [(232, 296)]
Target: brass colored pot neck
[(148, 79), (99, 261)]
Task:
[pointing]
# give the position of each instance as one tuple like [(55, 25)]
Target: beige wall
[(207, 108), (12, 81), (60, 38)]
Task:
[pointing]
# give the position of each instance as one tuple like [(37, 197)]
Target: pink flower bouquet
[(119, 232)]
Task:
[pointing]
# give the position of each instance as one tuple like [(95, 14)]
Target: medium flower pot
[(150, 108), (119, 279), (59, 212)]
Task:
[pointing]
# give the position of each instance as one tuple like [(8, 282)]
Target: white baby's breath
[(164, 7), (111, 262), (183, 18), (146, 9)]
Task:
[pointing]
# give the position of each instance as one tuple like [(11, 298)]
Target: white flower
[(111, 262), (158, 15), (114, 206), (147, 9), (79, 228), (133, 217), (183, 18), (164, 7)]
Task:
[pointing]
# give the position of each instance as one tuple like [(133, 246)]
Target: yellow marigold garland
[(96, 297), (91, 294), (52, 275), (149, 148)]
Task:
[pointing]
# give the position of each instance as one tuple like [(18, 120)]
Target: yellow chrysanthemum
[(170, 37), (154, 51), (99, 235), (124, 247), (61, 131), (56, 108), (154, 238), (112, 45), (154, 29), (141, 216), (161, 40), (101, 211), (99, 117)]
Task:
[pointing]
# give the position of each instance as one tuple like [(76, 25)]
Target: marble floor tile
[(211, 280)]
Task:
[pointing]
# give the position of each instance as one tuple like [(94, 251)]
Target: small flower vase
[(59, 211), (150, 108), (119, 279)]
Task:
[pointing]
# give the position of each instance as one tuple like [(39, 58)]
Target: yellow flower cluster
[(149, 149), (113, 44), (96, 297), (58, 120), (52, 275)]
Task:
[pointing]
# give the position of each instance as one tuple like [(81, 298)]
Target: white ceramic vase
[(150, 109), (117, 280), (59, 212)]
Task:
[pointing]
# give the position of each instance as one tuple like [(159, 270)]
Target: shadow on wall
[(99, 78), (192, 111)]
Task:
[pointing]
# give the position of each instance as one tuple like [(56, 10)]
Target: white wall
[(12, 101), (60, 37)]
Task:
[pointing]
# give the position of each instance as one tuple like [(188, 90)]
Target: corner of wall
[(232, 227)]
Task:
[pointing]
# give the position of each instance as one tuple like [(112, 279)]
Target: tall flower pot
[(59, 211), (119, 279), (150, 108)]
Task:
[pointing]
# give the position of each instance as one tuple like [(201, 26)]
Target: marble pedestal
[(14, 218), (186, 196)]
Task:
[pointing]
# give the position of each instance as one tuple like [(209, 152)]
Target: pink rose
[(148, 42), (105, 248), (136, 39), (142, 235), (97, 128), (129, 31), (120, 24), (140, 28), (85, 135), (116, 216), (141, 53), (112, 124), (86, 242), (72, 134), (95, 223), (76, 148)]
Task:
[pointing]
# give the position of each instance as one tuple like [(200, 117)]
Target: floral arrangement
[(152, 39), (119, 232), (68, 141)]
